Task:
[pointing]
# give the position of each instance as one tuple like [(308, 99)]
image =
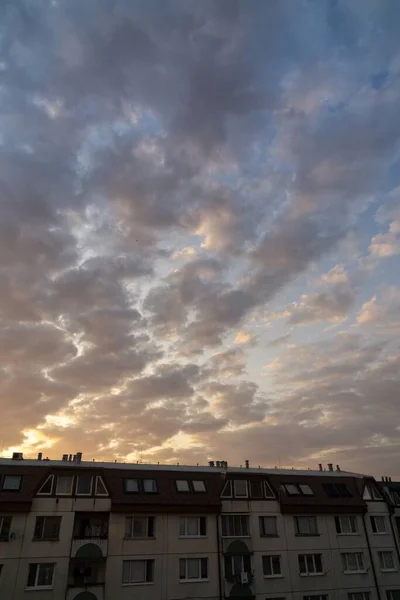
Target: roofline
[(178, 468)]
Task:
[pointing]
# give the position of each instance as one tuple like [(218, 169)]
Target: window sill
[(363, 572), (137, 583), (193, 580), (388, 570), (136, 538), (350, 533), (235, 536), (312, 574), (45, 539), (274, 576), (193, 537), (380, 533), (40, 588), (307, 534), (269, 535)]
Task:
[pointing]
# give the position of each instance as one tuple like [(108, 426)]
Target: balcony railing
[(92, 531), (77, 547)]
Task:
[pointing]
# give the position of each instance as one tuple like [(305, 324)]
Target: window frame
[(309, 489), (351, 519), (310, 519), (50, 493), (201, 520), (381, 560), (360, 564), (154, 485), (271, 558), (12, 489), (228, 484), (184, 560), (268, 491), (78, 477), (240, 496), (178, 483), (202, 482), (72, 478), (307, 572), (8, 520), (45, 519), (390, 596), (96, 491), (126, 485), (224, 519), (149, 527), (374, 519), (261, 522), (232, 574), (149, 568), (316, 597), (291, 489), (359, 596), (39, 565)]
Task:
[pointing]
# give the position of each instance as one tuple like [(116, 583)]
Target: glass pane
[(31, 575), (182, 568), (292, 489), (139, 526), (126, 571), (149, 485), (255, 489), (266, 565), (100, 487), (199, 486), (47, 486), (244, 525), (240, 487), (227, 491), (131, 485), (11, 482), (182, 526), (193, 568), (318, 563), (204, 568), (84, 484), (192, 526), (182, 485), (268, 490), (64, 485), (302, 563), (237, 563), (270, 527), (45, 576), (306, 490), (128, 526), (138, 571), (310, 563), (276, 565)]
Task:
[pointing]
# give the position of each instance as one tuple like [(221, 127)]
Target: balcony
[(90, 536), (86, 579)]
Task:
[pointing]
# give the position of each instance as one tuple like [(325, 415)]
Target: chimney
[(383, 478), (319, 466), (246, 462), (218, 463), (40, 456), (65, 457), (211, 463), (330, 467), (390, 479), (337, 468), (70, 458), (17, 456), (79, 457)]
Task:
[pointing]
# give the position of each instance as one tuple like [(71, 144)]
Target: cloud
[(384, 245)]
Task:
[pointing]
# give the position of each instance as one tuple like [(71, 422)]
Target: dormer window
[(84, 485), (182, 485), (64, 485), (131, 486), (150, 486), (12, 483), (240, 488), (199, 485)]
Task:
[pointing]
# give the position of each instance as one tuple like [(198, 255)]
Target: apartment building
[(80, 530)]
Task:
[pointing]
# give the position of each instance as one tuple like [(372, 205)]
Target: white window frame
[(187, 579), (182, 485), (131, 535), (316, 597), (378, 519), (77, 485), (351, 519), (97, 493), (359, 596), (381, 558), (71, 477), (292, 489), (184, 521), (314, 572), (359, 558), (262, 519), (303, 519), (49, 478), (127, 484), (145, 564), (11, 489), (270, 558), (227, 489), (235, 534), (241, 481), (305, 489), (268, 491), (200, 484), (38, 567)]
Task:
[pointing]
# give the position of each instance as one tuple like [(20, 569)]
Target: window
[(199, 486), (393, 594), (256, 489), (100, 487), (192, 527), (337, 490), (316, 597), (235, 525), (84, 485), (12, 483), (137, 571), (306, 525), (306, 490), (310, 564), (150, 486), (268, 526), (131, 486), (227, 491), (291, 489), (237, 564), (352, 562), (371, 493), (40, 575), (346, 525), (386, 560), (64, 485), (47, 528), (268, 490), (47, 487), (193, 569), (182, 485), (272, 565), (139, 527), (359, 596), (378, 524), (5, 526), (1, 568), (240, 488)]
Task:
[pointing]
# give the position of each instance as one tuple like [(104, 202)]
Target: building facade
[(79, 530)]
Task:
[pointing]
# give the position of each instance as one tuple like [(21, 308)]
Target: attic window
[(337, 490), (371, 493), (182, 485), (292, 489), (84, 485), (227, 491), (12, 483), (268, 490), (131, 486), (47, 487), (199, 486), (150, 486), (240, 487), (100, 487), (306, 490), (64, 485), (256, 488)]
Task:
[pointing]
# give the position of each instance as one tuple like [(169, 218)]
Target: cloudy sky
[(200, 231)]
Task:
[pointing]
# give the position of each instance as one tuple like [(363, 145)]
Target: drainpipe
[(371, 559), (219, 558)]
